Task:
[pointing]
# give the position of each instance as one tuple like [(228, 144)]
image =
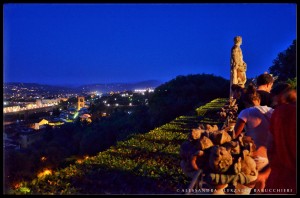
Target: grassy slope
[(144, 164)]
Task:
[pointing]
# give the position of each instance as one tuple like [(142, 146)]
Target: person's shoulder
[(265, 107), (243, 111), (269, 110)]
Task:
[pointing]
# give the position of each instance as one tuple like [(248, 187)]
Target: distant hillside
[(120, 86), (52, 89), (100, 87), (33, 85)]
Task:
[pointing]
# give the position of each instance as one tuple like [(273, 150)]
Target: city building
[(80, 102)]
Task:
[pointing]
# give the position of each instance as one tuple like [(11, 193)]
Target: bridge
[(27, 112)]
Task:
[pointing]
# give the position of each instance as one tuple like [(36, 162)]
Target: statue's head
[(237, 39)]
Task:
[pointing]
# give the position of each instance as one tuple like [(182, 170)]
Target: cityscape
[(29, 108)]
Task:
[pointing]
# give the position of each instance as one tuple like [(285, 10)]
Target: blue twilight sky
[(105, 43)]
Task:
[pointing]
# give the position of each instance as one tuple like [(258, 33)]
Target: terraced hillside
[(144, 164)]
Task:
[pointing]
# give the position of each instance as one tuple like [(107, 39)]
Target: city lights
[(143, 90)]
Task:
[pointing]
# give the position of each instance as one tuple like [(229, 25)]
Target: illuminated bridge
[(29, 111)]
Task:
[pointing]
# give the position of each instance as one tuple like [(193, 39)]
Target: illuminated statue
[(238, 66)]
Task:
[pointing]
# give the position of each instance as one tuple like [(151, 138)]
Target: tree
[(284, 66), (97, 108), (292, 82), (183, 94)]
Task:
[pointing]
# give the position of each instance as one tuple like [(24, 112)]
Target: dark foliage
[(183, 94), (284, 66)]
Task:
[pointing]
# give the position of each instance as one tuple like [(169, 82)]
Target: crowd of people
[(267, 113)]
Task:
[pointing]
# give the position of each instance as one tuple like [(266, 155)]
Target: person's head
[(251, 97), (237, 40), (265, 81), (236, 91), (283, 93)]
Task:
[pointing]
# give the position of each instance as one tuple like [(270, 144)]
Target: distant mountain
[(100, 87), (120, 86), (19, 87), (28, 85)]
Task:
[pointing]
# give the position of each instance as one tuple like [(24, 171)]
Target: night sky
[(106, 43)]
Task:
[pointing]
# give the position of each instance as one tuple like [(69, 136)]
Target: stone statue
[(238, 66)]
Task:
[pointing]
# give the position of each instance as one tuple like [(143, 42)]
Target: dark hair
[(281, 88), (285, 93), (264, 79), (250, 95)]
